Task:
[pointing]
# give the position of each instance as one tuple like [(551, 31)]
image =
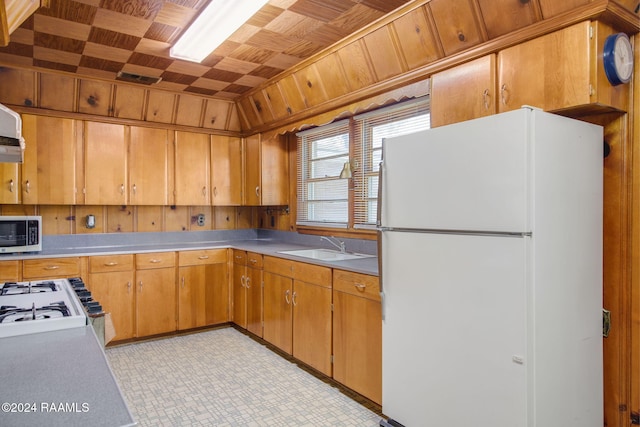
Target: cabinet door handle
[(238, 257), (293, 298), (121, 188), (253, 261), (485, 98), (247, 282), (286, 296), (134, 189), (204, 191), (27, 187), (203, 257), (242, 281), (258, 191), (52, 267), (215, 191), (504, 93), (140, 286), (11, 186), (360, 286), (155, 261), (128, 287), (182, 283), (110, 264)]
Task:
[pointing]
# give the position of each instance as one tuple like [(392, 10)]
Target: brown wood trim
[(4, 24)]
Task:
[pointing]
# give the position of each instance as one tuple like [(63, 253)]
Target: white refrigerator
[(491, 274)]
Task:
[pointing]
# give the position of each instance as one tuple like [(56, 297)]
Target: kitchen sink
[(325, 254)]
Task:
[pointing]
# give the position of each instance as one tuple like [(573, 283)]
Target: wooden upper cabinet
[(503, 16), (14, 13), (457, 24), (465, 92), (226, 170), (148, 166), (105, 159), (274, 172), (49, 168), (192, 168), (559, 71), (252, 175)]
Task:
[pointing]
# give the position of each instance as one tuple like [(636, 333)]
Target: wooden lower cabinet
[(203, 288), (357, 333), (50, 268), (155, 293), (297, 310), (111, 279), (10, 271), (247, 291)]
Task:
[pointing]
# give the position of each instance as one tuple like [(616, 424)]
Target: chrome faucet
[(340, 244)]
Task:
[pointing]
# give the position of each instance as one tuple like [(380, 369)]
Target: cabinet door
[(240, 295), (49, 168), (105, 164), (252, 171), (155, 301), (277, 311), (357, 344), (274, 172), (192, 152), (114, 291), (312, 325), (254, 300), (9, 187), (10, 271), (148, 166), (191, 297), (217, 294), (465, 92), (226, 170)]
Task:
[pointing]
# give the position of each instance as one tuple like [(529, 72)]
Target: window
[(323, 197)]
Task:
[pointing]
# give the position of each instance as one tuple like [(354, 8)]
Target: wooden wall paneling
[(216, 114), (149, 218), (631, 5), (332, 76), (57, 92), (56, 219), (356, 65), (416, 39), (292, 95), (119, 219), (233, 119), (246, 217), (190, 110), (383, 53), (224, 217), (503, 16), (276, 100), (249, 113), (160, 106), (18, 87), (457, 24), (262, 106), (176, 218), (194, 211), (552, 8), (311, 85), (80, 222), (17, 210), (95, 97), (129, 102)]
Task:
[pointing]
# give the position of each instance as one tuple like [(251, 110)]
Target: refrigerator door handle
[(379, 223)]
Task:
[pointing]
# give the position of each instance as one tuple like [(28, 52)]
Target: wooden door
[(49, 168), (148, 166), (115, 292), (239, 294), (226, 170), (105, 158), (465, 92), (192, 154), (10, 185), (274, 172), (277, 311), (155, 301), (252, 171), (191, 296), (254, 300), (312, 325)]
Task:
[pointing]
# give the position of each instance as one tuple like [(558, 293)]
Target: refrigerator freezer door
[(469, 176), (454, 334)]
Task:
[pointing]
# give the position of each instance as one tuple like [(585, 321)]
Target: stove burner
[(9, 313), (13, 288)]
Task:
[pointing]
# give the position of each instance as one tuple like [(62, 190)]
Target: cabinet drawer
[(155, 260), (105, 263), (10, 271), (50, 267), (239, 257), (205, 256), (357, 284), (254, 260), (311, 273), (281, 266)]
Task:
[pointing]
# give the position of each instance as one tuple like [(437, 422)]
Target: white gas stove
[(39, 306)]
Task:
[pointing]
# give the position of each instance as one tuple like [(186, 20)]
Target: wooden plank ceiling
[(100, 38)]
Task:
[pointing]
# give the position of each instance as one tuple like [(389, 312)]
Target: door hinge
[(635, 418), (606, 322)]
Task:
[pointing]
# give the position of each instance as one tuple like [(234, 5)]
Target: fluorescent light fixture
[(214, 25)]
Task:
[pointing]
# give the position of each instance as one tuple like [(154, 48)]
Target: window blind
[(370, 129), (322, 196)]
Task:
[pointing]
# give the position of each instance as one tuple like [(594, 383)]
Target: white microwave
[(20, 234)]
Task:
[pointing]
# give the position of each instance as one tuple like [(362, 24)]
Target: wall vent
[(137, 78)]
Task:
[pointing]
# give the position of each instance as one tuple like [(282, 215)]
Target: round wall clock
[(617, 56)]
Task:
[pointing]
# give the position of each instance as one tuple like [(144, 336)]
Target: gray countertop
[(59, 378)]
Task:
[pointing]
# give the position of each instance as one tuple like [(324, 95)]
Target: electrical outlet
[(200, 220)]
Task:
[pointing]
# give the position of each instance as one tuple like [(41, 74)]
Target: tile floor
[(221, 378)]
